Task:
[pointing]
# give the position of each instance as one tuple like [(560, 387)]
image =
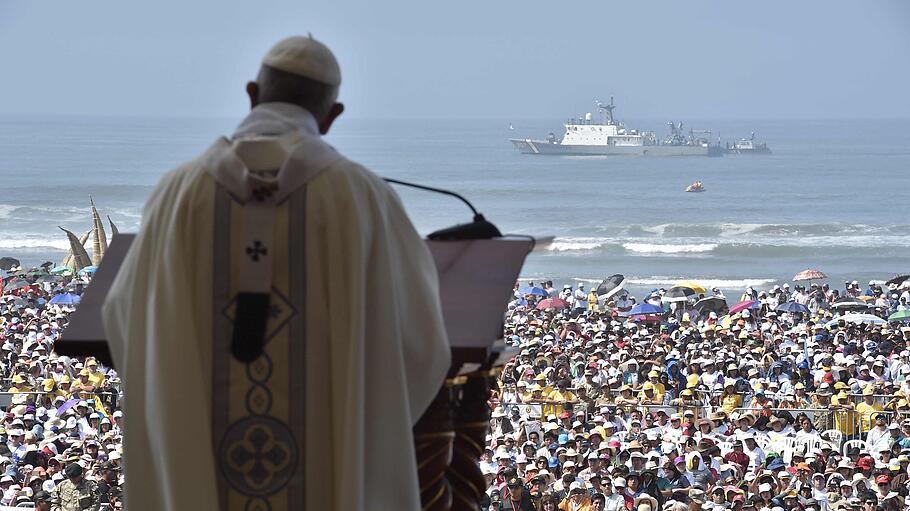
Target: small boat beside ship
[(748, 146)]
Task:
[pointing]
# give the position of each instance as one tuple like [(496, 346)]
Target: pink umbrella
[(552, 303), (809, 275), (748, 304)]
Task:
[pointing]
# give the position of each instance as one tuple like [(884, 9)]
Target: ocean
[(832, 196)]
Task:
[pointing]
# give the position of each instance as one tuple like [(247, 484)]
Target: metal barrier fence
[(849, 423), (109, 400)]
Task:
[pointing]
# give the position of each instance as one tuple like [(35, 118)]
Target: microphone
[(479, 229)]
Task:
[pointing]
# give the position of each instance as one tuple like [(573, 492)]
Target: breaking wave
[(664, 281), (732, 230), (33, 242), (6, 210), (661, 248), (576, 244), (729, 239)]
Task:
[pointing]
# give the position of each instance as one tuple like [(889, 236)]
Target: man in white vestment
[(276, 321)]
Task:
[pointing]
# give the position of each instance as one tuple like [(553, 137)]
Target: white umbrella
[(870, 319)]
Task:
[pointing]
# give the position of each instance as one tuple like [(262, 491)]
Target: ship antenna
[(607, 110)]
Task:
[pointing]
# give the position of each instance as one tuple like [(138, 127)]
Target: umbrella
[(49, 278), (897, 280), (748, 304), (67, 405), (524, 292), (65, 299), (19, 302), (870, 319), (809, 275), (643, 309), (62, 270), (849, 304), (552, 303), (711, 304), (16, 284), (610, 286), (8, 263), (678, 294), (694, 286), (792, 307), (900, 316), (93, 268)]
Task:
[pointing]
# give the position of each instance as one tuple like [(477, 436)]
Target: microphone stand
[(479, 229)]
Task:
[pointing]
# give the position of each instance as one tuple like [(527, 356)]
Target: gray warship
[(587, 136)]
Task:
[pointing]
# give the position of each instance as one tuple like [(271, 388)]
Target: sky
[(503, 59)]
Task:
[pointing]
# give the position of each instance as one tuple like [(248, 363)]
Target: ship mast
[(607, 110)]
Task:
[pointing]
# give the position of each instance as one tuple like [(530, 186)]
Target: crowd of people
[(60, 432), (797, 400)]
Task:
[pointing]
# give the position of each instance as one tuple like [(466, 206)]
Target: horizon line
[(354, 117)]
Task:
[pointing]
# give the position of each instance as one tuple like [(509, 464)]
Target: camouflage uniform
[(76, 497)]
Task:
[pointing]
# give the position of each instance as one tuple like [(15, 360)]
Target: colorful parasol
[(809, 275), (691, 284)]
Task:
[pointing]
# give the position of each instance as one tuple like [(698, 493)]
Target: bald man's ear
[(252, 90), (330, 117)]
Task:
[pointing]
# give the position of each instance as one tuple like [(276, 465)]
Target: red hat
[(564, 415), (882, 479), (865, 462)]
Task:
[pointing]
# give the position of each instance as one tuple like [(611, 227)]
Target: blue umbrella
[(88, 269), (644, 308), (67, 405), (792, 307), (533, 291), (66, 299)]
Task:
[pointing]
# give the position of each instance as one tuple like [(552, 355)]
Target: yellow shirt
[(559, 397), (97, 379), (730, 402), (659, 391), (844, 419), (866, 411), (653, 400), (626, 401)]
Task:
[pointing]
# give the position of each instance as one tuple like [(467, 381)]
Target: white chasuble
[(353, 348)]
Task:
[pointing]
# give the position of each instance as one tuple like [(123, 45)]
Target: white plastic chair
[(806, 444), (786, 444), (621, 436), (835, 436), (860, 444), (725, 447), (763, 441)]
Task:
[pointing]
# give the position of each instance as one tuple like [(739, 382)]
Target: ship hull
[(529, 146), (750, 151)]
